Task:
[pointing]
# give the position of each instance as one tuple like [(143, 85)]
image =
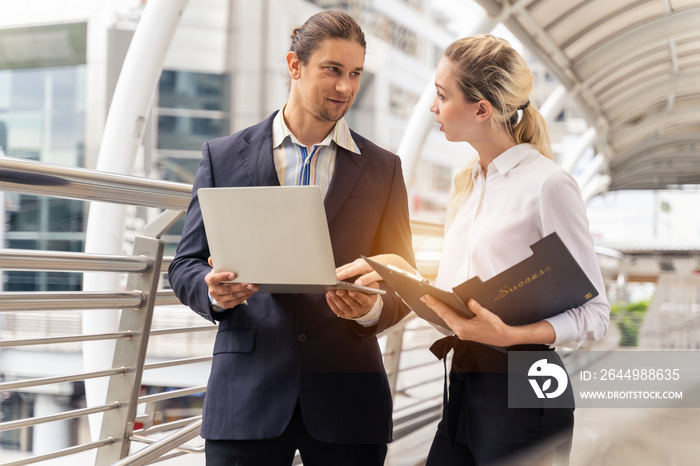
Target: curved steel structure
[(633, 67)]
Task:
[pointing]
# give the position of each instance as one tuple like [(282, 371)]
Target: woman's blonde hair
[(488, 68)]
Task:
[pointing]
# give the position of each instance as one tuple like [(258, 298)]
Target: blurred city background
[(60, 63)]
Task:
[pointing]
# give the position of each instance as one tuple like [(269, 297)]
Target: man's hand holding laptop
[(350, 304), (228, 295)]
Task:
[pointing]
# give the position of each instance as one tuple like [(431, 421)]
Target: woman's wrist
[(539, 333)]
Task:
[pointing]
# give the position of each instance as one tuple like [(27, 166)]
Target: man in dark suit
[(288, 374)]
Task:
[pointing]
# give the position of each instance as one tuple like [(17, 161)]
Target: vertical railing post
[(392, 355), (131, 353)]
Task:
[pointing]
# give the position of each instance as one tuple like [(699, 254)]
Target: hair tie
[(519, 113)]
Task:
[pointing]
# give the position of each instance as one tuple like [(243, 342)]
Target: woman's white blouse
[(523, 198)]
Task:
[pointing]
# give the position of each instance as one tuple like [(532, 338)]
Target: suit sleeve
[(189, 266), (393, 236)]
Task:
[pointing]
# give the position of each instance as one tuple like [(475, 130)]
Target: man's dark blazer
[(280, 348)]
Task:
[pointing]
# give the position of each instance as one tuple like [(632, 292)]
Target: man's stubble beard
[(325, 115)]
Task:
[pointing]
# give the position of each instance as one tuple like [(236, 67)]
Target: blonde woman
[(509, 197)]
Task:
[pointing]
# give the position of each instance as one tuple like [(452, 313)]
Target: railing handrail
[(10, 425), (66, 261), (69, 300), (38, 178), (427, 227), (63, 339), (35, 259), (11, 301), (61, 379), (61, 453), (172, 394)]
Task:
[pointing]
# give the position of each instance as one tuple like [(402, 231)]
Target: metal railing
[(137, 303)]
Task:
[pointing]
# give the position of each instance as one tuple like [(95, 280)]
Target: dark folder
[(543, 285)]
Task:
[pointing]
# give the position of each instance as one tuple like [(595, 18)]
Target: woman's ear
[(483, 110)]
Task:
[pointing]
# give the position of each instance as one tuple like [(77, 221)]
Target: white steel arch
[(120, 142)]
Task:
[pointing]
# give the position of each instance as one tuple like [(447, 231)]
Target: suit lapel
[(348, 169), (267, 175), (256, 156), (257, 159)]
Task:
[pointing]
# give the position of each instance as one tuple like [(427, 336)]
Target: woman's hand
[(487, 328)]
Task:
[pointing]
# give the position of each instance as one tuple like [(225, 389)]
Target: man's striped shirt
[(297, 164)]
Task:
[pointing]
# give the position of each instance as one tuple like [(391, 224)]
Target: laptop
[(273, 236)]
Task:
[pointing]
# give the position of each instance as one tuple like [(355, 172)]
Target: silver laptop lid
[(271, 235)]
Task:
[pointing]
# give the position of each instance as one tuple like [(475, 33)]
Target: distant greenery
[(629, 320)]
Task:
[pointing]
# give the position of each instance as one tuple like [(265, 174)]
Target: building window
[(42, 117), (188, 133), (194, 91), (192, 108)]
